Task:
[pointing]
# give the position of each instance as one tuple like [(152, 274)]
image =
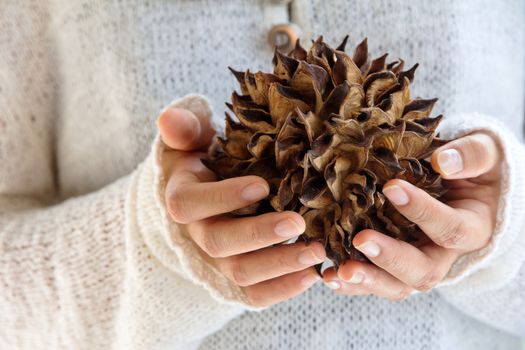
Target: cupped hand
[(463, 223), (241, 248)]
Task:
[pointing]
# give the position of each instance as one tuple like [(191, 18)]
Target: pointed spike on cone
[(230, 121), (398, 67), (361, 53), (297, 46), (274, 59), (378, 64), (239, 75), (342, 46), (228, 117), (409, 73), (298, 52), (391, 64)]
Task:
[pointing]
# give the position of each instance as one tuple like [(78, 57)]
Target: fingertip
[(397, 191), (467, 157), (255, 188), (180, 129), (364, 236), (318, 249), (331, 280), (329, 274), (346, 270), (299, 220), (449, 162)]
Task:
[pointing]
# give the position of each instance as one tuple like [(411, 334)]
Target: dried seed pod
[(327, 131)]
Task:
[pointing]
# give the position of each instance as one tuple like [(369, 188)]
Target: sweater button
[(283, 36)]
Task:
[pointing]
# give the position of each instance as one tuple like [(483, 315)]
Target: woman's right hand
[(241, 248)]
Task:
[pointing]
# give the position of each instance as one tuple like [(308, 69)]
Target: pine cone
[(327, 132)]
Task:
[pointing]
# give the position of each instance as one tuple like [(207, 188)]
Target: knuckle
[(237, 272), (219, 197), (248, 296), (421, 214), (197, 230), (177, 206), (395, 263), (256, 233), (210, 245), (426, 282), (283, 262), (452, 236)]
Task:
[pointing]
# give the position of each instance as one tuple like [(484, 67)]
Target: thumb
[(183, 130), (468, 157)]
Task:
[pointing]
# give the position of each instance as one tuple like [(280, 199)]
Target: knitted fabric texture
[(89, 258)]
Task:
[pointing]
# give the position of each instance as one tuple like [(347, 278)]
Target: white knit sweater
[(88, 256)]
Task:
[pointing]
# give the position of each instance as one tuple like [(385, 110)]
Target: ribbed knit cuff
[(498, 262)]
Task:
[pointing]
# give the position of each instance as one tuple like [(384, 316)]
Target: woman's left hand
[(463, 223)]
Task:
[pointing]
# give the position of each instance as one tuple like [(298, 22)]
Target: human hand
[(462, 224), (241, 248)]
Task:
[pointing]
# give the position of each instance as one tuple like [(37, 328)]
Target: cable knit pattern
[(81, 83)]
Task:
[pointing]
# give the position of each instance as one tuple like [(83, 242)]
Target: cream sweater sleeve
[(102, 271), (489, 284), (99, 271)]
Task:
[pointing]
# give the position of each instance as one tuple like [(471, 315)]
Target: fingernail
[(310, 279), (254, 192), (370, 249), (396, 194), (356, 278), (288, 228), (308, 258), (450, 161), (333, 285)]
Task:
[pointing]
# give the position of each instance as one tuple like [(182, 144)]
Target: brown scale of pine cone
[(327, 131)]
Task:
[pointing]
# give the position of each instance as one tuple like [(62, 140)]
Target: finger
[(222, 236), (280, 289), (265, 264), (468, 157), (358, 278), (188, 199), (182, 163), (446, 226), (183, 130), (404, 261)]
